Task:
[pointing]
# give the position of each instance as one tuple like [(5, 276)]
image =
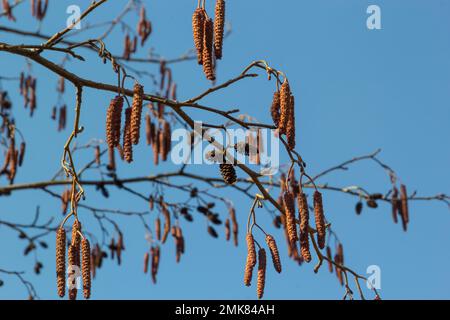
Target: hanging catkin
[(148, 131), (275, 108), (166, 214), (320, 219), (251, 259), (113, 121), (261, 273), (219, 25), (285, 102), (235, 225), (73, 265), (207, 56), (290, 217), (198, 25), (274, 252), (404, 206), (228, 173), (290, 127), (158, 228), (61, 261), (146, 260), (304, 225), (394, 204), (86, 267), (127, 139), (330, 258), (136, 113), (227, 230)]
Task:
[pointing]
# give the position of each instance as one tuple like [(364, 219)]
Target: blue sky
[(356, 90)]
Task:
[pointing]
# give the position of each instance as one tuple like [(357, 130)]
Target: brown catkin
[(290, 217), (290, 127), (395, 204), (207, 54), (227, 230), (73, 262), (330, 258), (261, 273), (198, 25), (61, 261), (21, 153), (146, 260), (167, 223), (320, 219), (158, 228), (228, 173), (304, 225), (274, 252), (136, 113), (285, 102), (404, 206), (86, 267), (113, 121), (127, 139), (275, 108), (251, 259), (148, 127), (219, 25)]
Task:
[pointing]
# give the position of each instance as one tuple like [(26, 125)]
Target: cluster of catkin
[(399, 204), (116, 249), (208, 37), (177, 235), (159, 136), (283, 112), (144, 26), (155, 255), (338, 260), (251, 262), (129, 46), (8, 10), (232, 227), (28, 91), (39, 9), (78, 258), (14, 156)]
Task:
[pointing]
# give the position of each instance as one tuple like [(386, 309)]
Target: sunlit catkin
[(167, 223), (285, 106), (304, 225), (251, 259), (73, 265), (274, 252), (127, 138), (136, 113), (219, 25), (86, 267), (290, 217), (113, 120), (320, 219), (207, 56), (275, 108), (290, 127), (61, 261), (261, 273), (198, 25)]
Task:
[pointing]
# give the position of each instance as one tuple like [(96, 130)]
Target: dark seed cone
[(86, 267), (285, 107), (274, 252), (251, 259), (290, 217), (61, 261), (404, 206), (219, 25), (320, 219), (127, 139), (330, 258), (290, 128), (395, 204), (207, 56), (198, 25), (304, 225), (136, 113), (261, 273), (228, 173), (275, 109)]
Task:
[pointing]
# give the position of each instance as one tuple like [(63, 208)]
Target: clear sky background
[(357, 90)]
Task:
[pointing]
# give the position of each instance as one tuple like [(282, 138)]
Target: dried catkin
[(136, 114), (274, 252), (207, 56), (86, 267), (285, 108), (320, 219), (148, 127), (127, 139), (219, 25), (61, 261), (227, 230), (251, 259), (198, 25), (73, 263), (228, 173), (290, 127), (330, 258), (261, 273), (404, 206), (146, 260), (113, 121), (158, 228), (235, 225), (166, 214), (21, 153), (290, 217), (162, 145), (304, 225), (275, 108), (395, 204)]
